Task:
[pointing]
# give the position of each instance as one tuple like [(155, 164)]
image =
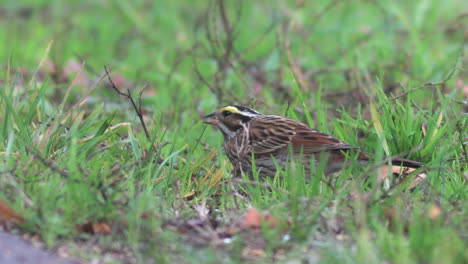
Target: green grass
[(387, 76)]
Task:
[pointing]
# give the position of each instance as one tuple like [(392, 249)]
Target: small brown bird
[(271, 139)]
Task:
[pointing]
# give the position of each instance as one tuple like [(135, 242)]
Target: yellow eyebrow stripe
[(231, 109)]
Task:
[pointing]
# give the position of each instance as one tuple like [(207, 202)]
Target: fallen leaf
[(101, 229), (189, 195), (98, 228), (254, 219), (253, 252), (434, 212), (402, 172), (419, 178), (6, 213)]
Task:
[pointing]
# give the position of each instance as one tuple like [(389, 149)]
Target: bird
[(271, 140)]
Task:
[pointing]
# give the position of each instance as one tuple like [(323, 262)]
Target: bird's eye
[(226, 113)]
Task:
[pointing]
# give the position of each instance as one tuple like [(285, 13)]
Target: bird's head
[(229, 119)]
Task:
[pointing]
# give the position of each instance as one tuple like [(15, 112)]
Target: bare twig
[(204, 80), (129, 96), (426, 84), (220, 33), (460, 138), (329, 184), (228, 30)]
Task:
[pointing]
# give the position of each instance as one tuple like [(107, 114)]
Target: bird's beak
[(210, 119)]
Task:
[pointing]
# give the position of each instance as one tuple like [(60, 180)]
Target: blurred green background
[(321, 62)]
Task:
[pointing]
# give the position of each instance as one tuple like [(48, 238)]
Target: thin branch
[(129, 96), (204, 80), (460, 138), (228, 30), (426, 84)]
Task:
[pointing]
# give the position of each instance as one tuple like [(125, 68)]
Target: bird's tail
[(404, 168)]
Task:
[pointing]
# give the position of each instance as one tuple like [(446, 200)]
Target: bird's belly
[(267, 165)]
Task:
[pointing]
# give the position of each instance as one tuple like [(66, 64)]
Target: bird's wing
[(311, 141), (272, 133)]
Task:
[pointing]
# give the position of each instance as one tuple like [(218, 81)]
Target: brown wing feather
[(312, 141), (272, 133)]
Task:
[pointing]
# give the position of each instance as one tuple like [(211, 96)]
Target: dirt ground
[(14, 250)]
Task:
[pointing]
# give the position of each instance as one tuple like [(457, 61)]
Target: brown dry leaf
[(254, 219), (101, 229), (253, 253), (402, 171), (190, 195), (434, 212), (419, 178), (7, 214), (98, 228)]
